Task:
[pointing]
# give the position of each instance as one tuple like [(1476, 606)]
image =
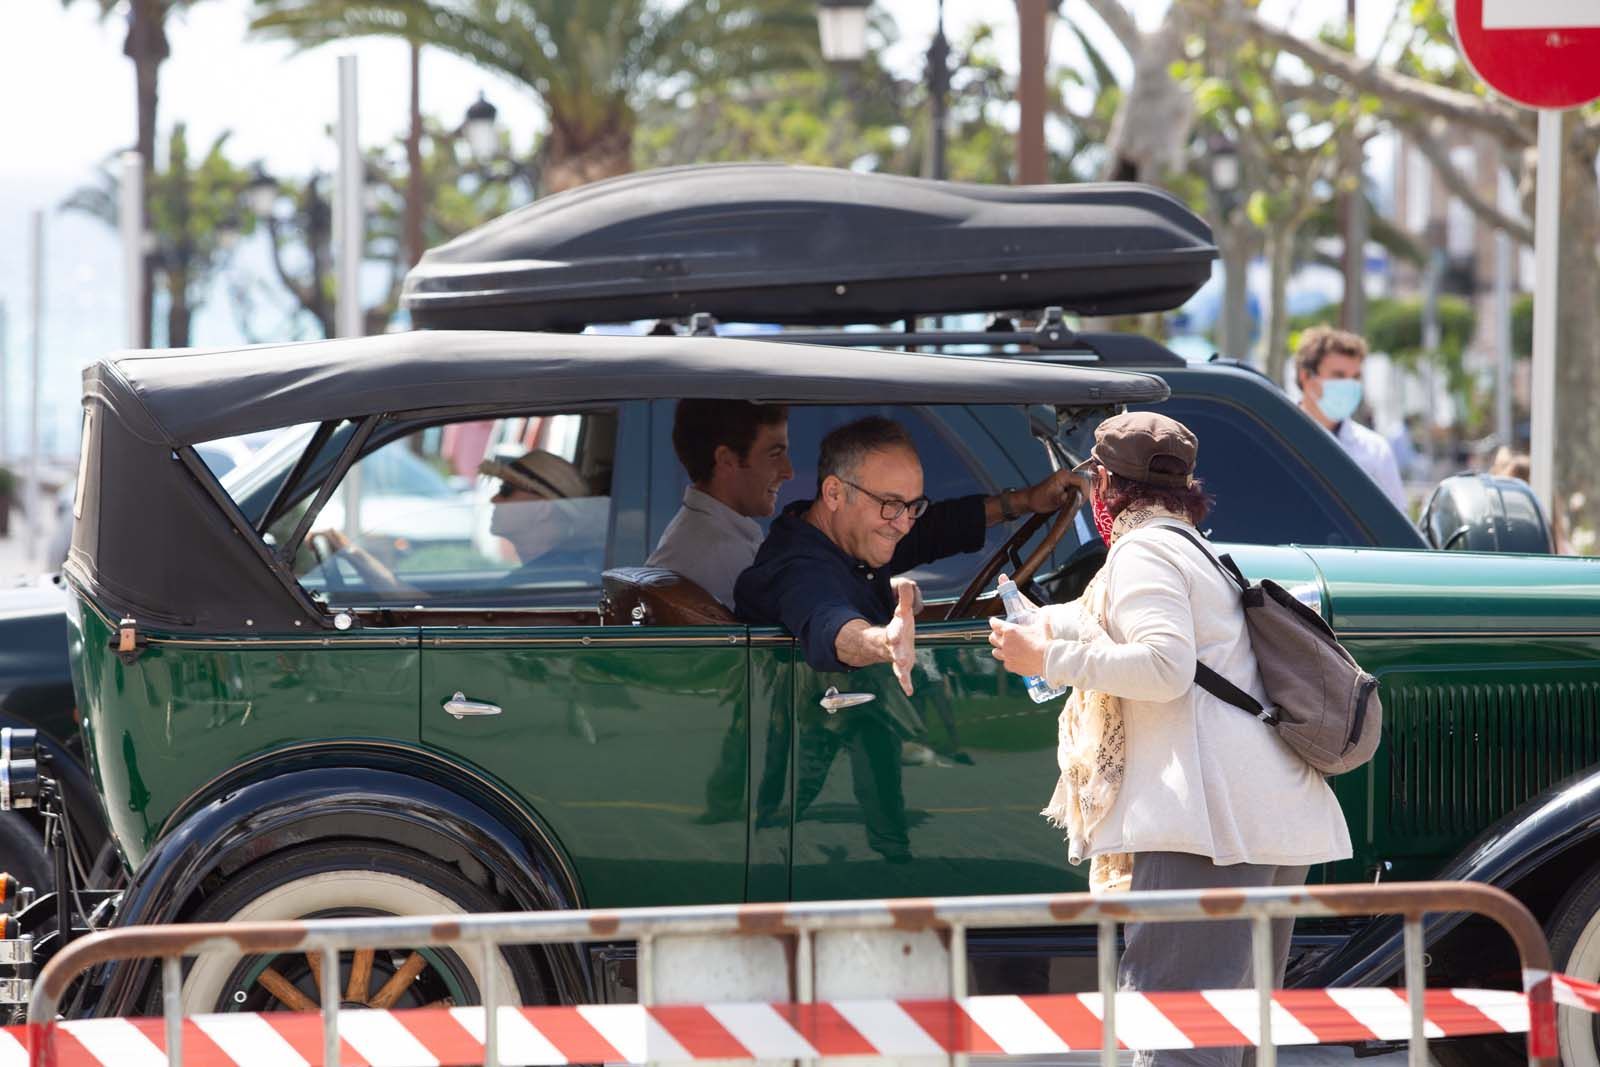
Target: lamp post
[(312, 215), (1222, 160), (481, 131), (842, 27), (1224, 175), (483, 139), (938, 93)]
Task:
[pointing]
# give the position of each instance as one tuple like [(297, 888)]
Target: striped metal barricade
[(803, 982)]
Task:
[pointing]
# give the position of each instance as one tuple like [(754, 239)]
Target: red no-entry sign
[(1539, 53)]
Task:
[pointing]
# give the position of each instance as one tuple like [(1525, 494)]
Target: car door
[(627, 746), (938, 793)]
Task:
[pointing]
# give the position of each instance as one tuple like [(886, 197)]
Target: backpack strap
[(1228, 693), (1204, 676), (1230, 570)]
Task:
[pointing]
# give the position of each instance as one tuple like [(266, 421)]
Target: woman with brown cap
[(1162, 785)]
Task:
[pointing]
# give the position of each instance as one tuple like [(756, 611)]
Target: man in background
[(1328, 368), (737, 457)]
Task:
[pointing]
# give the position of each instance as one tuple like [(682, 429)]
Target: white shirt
[(1201, 776), (708, 543), (1373, 454)]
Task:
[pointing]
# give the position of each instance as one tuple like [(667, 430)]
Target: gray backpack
[(1327, 707)]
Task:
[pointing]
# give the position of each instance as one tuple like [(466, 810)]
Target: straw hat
[(542, 473)]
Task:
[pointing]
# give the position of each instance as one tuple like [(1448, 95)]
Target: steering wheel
[(1024, 570), (323, 550)]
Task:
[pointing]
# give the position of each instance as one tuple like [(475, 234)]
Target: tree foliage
[(146, 45), (592, 66), (193, 207), (463, 195)]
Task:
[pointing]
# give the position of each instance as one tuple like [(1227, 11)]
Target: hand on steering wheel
[(1025, 570), (326, 544)]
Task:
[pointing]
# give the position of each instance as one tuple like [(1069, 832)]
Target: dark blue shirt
[(806, 583)]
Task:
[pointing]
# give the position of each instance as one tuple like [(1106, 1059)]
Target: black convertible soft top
[(155, 539), (181, 397), (776, 242)]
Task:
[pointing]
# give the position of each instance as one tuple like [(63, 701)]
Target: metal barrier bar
[(491, 1004), (172, 1006), (329, 936), (1417, 1046), (1106, 958), (1263, 971)]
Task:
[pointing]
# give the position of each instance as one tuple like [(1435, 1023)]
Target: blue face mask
[(1340, 397)]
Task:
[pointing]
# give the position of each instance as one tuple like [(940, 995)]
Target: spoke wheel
[(368, 978), (348, 880)]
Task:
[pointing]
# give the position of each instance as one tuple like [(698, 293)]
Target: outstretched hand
[(901, 634)]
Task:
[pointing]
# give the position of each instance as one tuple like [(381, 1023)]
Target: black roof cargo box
[(772, 242)]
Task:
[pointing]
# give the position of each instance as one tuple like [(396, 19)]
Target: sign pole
[(350, 219), (350, 214), (33, 502), (130, 224), (1546, 251)]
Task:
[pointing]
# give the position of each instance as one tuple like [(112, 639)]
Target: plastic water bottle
[(1022, 613)]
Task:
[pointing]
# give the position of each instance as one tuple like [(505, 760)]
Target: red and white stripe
[(629, 1033)]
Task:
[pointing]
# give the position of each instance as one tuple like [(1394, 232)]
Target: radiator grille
[(1461, 756)]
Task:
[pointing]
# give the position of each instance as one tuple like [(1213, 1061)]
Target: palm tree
[(193, 208), (146, 45), (592, 65)]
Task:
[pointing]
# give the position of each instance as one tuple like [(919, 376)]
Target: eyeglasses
[(893, 509)]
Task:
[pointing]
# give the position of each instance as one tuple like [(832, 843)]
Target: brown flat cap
[(1125, 444)]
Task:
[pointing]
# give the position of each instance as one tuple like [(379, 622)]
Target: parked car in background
[(274, 735)]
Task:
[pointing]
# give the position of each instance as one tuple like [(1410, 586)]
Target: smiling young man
[(826, 570), (1328, 368), (737, 456)]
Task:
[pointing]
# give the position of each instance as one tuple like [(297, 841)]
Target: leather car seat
[(655, 596)]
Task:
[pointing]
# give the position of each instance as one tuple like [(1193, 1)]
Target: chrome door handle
[(459, 706), (833, 700)]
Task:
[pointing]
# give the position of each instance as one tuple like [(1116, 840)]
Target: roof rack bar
[(1052, 341), (924, 338)]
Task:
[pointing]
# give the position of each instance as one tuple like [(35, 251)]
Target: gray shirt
[(708, 543)]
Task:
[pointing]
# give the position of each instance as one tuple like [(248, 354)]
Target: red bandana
[(1102, 517)]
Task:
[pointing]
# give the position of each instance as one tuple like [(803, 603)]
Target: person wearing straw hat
[(1162, 785), (545, 509)]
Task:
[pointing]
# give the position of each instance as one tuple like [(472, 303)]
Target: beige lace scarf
[(1091, 741)]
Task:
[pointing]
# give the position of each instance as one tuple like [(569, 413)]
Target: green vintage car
[(277, 733)]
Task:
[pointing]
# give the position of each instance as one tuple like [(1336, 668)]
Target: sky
[(69, 106)]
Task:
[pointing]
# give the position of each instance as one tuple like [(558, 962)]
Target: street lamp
[(479, 129), (490, 159), (938, 92), (261, 192), (842, 25), (1223, 161)]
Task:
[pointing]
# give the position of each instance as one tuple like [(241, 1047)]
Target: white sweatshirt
[(1202, 777)]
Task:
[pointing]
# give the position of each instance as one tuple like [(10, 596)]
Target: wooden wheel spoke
[(396, 985), (314, 962), (285, 991), (360, 976), (442, 1002)]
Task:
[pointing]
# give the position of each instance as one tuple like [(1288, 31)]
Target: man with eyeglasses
[(827, 570)]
